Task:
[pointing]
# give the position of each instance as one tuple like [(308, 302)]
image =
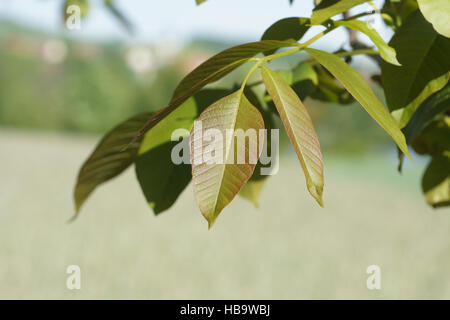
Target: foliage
[(414, 71)]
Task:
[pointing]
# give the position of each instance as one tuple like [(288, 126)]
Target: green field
[(287, 249)]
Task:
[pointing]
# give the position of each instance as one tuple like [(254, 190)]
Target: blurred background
[(60, 90)]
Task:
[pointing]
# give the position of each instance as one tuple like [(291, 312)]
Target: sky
[(180, 20)]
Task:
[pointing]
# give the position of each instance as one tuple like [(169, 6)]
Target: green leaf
[(329, 8), (436, 181), (425, 69), (286, 29), (108, 159), (435, 138), (386, 52), (437, 12), (199, 2), (328, 90), (253, 188), (212, 70), (300, 130), (360, 90), (434, 105), (216, 184), (162, 180), (395, 12)]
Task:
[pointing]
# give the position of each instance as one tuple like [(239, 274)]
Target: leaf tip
[(317, 193)]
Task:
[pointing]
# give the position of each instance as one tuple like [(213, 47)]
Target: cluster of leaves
[(415, 70)]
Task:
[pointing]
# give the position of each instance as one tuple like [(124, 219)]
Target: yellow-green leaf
[(360, 90), (437, 12), (386, 52), (300, 130), (216, 183), (329, 8)]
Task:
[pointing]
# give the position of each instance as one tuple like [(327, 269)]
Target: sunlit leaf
[(212, 70), (386, 52), (108, 159), (198, 2), (436, 181), (437, 12), (216, 183), (161, 179), (360, 90), (286, 29), (303, 79), (300, 130), (425, 68), (329, 8)]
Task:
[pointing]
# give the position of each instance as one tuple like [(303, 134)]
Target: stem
[(355, 52), (255, 66), (359, 15)]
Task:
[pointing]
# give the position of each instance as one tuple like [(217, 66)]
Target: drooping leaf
[(329, 8), (434, 105), (360, 90), (108, 159), (254, 186), (437, 12), (436, 181), (219, 179), (425, 69), (386, 52), (162, 180), (300, 130), (286, 29)]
